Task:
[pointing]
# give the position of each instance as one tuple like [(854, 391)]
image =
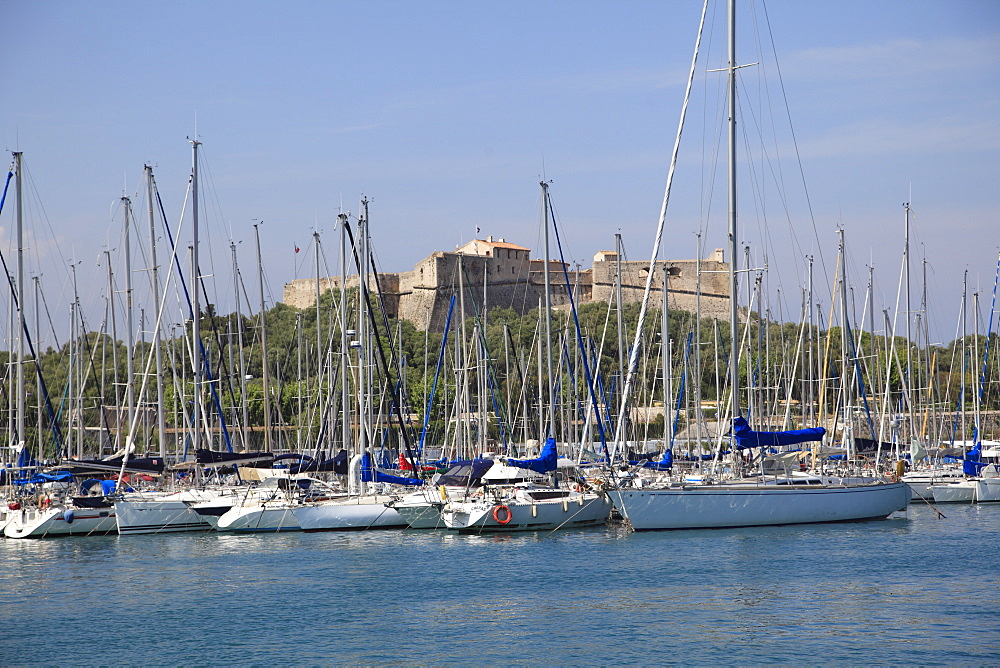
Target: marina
[(761, 454)]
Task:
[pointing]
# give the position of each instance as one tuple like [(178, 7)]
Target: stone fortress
[(496, 273)]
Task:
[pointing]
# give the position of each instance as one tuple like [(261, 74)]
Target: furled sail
[(371, 474), (546, 461), (748, 438)]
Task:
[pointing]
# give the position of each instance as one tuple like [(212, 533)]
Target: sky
[(446, 115)]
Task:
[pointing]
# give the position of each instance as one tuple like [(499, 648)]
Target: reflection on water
[(875, 592)]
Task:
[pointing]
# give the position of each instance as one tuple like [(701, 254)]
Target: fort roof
[(503, 244), (477, 246)]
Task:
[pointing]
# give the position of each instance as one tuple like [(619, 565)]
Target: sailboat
[(753, 501), (516, 496)]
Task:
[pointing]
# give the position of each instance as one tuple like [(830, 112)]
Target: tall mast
[(75, 412), (965, 344), (734, 353), (38, 368), (845, 331), (263, 345), (129, 314), (618, 302), (550, 428), (811, 375), (906, 310), (319, 338), (345, 395), (668, 426), (19, 419), (244, 418), (363, 330), (195, 303), (161, 418)]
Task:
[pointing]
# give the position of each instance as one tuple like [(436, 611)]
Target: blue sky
[(447, 114)]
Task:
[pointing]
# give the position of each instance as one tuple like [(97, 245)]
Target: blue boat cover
[(107, 486), (372, 474), (665, 464), (748, 438), (38, 478), (546, 461), (24, 458), (971, 464)]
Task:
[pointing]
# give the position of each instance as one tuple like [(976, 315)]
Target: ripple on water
[(906, 590)]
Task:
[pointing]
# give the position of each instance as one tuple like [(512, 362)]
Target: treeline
[(490, 368)]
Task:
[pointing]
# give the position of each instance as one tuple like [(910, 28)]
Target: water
[(909, 590)]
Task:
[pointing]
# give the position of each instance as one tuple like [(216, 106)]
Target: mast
[(195, 304), (129, 314), (74, 361), (161, 419), (844, 351), (906, 309), (668, 426), (19, 415), (245, 418), (319, 338), (618, 302), (364, 334), (265, 377), (345, 396), (38, 368), (734, 353), (813, 334), (550, 389), (965, 344), (111, 314)]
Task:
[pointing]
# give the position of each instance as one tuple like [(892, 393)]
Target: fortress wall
[(423, 294)]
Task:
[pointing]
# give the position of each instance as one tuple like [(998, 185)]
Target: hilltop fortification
[(496, 273)]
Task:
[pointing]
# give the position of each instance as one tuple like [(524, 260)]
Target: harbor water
[(913, 589)]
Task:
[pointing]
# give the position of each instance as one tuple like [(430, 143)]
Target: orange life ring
[(577, 487), (507, 518)]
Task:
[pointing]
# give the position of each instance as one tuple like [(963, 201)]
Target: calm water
[(909, 590)]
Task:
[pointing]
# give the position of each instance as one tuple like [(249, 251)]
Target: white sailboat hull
[(963, 491), (358, 513), (719, 506), (973, 490), (988, 490), (421, 515), (60, 521), (920, 482), (578, 510), (259, 518), (163, 513)]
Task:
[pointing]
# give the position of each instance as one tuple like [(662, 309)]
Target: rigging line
[(795, 143), (633, 354), (41, 206), (56, 434), (758, 192), (364, 293), (579, 339)]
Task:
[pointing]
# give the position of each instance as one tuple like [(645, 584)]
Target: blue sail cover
[(107, 486), (971, 464), (24, 458), (371, 474), (665, 464), (546, 461), (748, 438), (39, 478)]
